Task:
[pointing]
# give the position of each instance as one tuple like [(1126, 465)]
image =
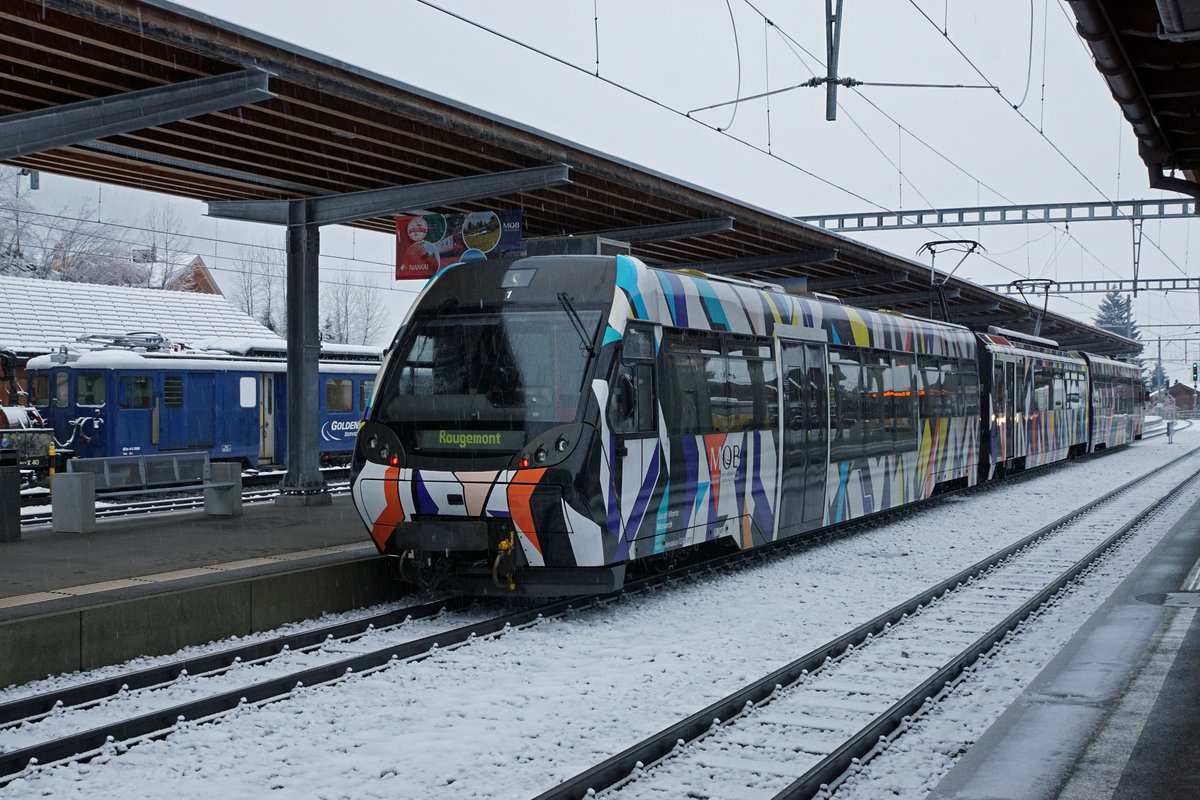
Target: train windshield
[(514, 373)]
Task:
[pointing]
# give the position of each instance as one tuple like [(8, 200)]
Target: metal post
[(303, 483), (833, 44)]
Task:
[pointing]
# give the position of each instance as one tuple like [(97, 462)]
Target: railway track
[(77, 724), (800, 730)]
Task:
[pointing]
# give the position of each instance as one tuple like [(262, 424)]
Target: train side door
[(805, 436), (266, 436), (172, 414), (202, 410), (633, 422)]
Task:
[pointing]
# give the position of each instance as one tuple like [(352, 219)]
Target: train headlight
[(561, 444), (540, 455), (385, 453)]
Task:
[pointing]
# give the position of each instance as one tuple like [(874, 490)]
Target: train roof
[(189, 360)]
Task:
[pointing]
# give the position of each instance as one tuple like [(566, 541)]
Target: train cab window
[(39, 390), (134, 391), (364, 394), (89, 389), (631, 393), (62, 389), (339, 395)]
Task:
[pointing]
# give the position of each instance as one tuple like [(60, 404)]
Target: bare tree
[(370, 312), (354, 311), (90, 252), (164, 246), (20, 239), (260, 283)]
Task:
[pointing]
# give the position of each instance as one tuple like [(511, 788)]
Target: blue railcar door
[(805, 436), (201, 410), (172, 414)]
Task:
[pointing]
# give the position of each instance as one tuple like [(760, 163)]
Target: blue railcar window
[(173, 391), (39, 390), (89, 389), (339, 395), (135, 391)]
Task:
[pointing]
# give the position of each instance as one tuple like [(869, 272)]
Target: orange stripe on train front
[(393, 512), (520, 491)]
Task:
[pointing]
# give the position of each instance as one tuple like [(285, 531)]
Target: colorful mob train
[(141, 396), (540, 425)]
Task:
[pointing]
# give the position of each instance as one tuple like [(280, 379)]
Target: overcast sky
[(890, 148)]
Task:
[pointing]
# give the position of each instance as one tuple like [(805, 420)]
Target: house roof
[(44, 315)]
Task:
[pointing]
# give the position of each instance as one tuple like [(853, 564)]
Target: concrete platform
[(151, 585), (1116, 715)]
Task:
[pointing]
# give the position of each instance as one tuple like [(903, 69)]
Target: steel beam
[(1125, 210), (339, 208), (48, 128), (893, 300), (1104, 287), (967, 309), (667, 232), (739, 266)]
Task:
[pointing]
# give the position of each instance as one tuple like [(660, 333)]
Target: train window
[(688, 405), (631, 397), (247, 391), (134, 391), (364, 394), (1042, 381), (89, 389), (969, 381), (875, 431), (1058, 391), (845, 407), (631, 404), (932, 394), (62, 389), (39, 390), (173, 391), (898, 387), (339, 395)]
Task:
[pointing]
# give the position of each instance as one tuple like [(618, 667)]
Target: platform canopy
[(321, 127), (1148, 52)]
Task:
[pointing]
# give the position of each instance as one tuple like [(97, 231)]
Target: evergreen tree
[(1116, 316)]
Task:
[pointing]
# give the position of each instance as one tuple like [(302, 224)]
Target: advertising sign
[(426, 243)]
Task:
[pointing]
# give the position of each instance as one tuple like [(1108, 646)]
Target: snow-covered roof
[(41, 316)]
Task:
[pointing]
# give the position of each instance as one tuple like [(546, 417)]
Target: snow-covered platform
[(1117, 713), (150, 585)]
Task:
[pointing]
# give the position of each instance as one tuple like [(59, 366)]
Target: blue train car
[(119, 402)]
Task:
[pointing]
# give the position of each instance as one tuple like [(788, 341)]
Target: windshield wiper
[(577, 322)]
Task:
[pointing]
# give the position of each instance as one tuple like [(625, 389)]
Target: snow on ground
[(507, 717)]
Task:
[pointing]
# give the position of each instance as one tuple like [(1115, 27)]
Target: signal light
[(1195, 372)]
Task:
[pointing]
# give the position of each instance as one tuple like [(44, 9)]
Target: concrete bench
[(75, 491)]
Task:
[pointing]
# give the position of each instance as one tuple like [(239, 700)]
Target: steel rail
[(856, 749), (607, 773), (27, 708)]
